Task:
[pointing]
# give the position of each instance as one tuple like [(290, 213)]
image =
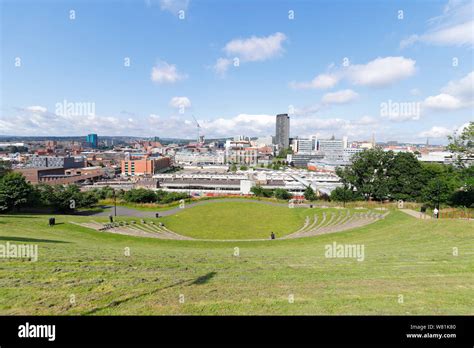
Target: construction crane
[(198, 128)]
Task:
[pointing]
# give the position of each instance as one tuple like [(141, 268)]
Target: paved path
[(416, 214)]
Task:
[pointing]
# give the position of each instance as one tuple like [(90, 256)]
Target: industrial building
[(240, 183)]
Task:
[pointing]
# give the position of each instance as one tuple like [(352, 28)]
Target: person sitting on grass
[(272, 235)]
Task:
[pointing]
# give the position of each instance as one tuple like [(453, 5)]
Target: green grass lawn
[(403, 256), (236, 220)]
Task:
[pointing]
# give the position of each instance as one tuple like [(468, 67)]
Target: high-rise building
[(282, 134), (92, 140)]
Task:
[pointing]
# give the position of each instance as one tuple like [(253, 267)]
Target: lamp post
[(115, 203), (437, 198)]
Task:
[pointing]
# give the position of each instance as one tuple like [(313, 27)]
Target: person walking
[(436, 213), (423, 212)]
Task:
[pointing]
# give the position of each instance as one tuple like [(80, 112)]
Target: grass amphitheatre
[(217, 258)]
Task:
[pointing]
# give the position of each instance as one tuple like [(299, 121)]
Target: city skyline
[(403, 71)]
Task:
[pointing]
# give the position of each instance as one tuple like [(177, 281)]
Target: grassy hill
[(403, 256), (236, 220)]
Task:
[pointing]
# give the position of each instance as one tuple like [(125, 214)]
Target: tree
[(464, 196), (233, 167), (309, 194), (282, 194), (284, 152), (439, 190), (368, 173), (259, 191), (243, 167), (404, 177), (276, 166), (168, 197), (14, 191), (344, 194), (5, 167), (140, 195), (87, 199), (463, 145), (64, 199)]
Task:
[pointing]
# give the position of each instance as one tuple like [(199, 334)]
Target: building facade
[(144, 166), (282, 134), (92, 140), (55, 162)]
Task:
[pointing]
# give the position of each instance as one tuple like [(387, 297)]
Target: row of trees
[(142, 195), (16, 193), (260, 191), (379, 175)]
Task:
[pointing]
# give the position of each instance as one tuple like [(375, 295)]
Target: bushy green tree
[(14, 191), (282, 194), (5, 167), (259, 191), (344, 194), (439, 190), (140, 195), (404, 177), (368, 173), (165, 197), (64, 199), (463, 145), (309, 194)]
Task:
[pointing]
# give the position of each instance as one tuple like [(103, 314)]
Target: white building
[(303, 145), (199, 158)]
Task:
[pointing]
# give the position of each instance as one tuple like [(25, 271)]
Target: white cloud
[(454, 27), (180, 102), (322, 81), (28, 123), (381, 71), (31, 122), (436, 132), (221, 66), (263, 124), (442, 102), (304, 111), (163, 72), (173, 6), (457, 35), (455, 95), (256, 48), (463, 88), (378, 72), (366, 120), (36, 109), (340, 97)]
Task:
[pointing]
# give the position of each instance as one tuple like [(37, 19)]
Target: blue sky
[(333, 67)]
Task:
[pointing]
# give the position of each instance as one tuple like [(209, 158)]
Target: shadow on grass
[(31, 240), (19, 216), (200, 280), (203, 279)]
